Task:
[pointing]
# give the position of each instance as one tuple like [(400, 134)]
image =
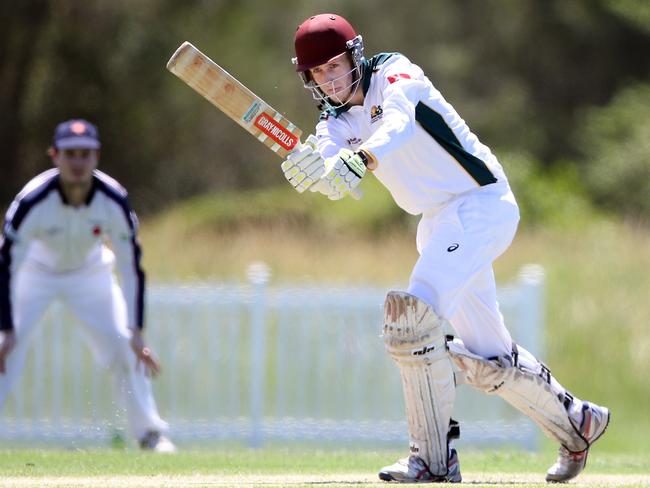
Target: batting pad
[(414, 338), (526, 384)]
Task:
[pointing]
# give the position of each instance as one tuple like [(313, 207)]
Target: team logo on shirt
[(399, 76), (376, 113), (354, 140), (95, 227)]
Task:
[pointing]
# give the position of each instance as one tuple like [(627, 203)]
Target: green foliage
[(282, 207), (554, 197), (616, 144), (596, 317), (165, 143), (546, 198), (636, 12)]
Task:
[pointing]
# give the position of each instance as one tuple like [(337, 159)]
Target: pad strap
[(526, 384)]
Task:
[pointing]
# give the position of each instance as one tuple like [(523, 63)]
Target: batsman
[(383, 115)]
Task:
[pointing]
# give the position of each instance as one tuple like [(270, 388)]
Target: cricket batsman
[(53, 246), (383, 115)]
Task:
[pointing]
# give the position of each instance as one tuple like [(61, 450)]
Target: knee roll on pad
[(414, 338), (526, 384)]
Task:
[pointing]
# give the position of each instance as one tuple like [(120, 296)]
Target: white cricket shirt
[(43, 230), (426, 152)]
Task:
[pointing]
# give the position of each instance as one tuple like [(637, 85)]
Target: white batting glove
[(343, 174), (304, 166)]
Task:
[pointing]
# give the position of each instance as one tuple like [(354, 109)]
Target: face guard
[(319, 40), (334, 101)]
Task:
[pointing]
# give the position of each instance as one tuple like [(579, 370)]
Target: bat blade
[(230, 96)]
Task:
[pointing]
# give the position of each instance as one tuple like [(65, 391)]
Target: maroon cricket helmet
[(321, 38)]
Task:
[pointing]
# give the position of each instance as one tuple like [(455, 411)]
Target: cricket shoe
[(414, 470), (156, 442), (569, 464)]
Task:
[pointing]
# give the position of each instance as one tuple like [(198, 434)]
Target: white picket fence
[(255, 362)]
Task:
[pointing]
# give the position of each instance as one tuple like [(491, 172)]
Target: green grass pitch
[(289, 466)]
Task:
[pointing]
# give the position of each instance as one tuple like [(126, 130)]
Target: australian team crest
[(376, 113)]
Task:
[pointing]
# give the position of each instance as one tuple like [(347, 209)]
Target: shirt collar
[(89, 198)]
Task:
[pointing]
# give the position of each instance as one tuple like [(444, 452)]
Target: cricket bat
[(223, 91)]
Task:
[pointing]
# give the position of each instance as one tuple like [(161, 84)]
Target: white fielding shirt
[(426, 152), (42, 230)]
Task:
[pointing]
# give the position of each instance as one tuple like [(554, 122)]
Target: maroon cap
[(321, 38)]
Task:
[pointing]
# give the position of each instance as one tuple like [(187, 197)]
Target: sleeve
[(403, 85), (123, 235), (331, 136), (16, 233)]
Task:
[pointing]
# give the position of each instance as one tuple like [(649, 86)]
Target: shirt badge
[(397, 77), (376, 113), (352, 141)]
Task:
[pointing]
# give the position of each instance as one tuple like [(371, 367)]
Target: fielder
[(383, 115), (53, 246)]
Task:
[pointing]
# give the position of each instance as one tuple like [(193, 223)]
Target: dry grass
[(292, 255)]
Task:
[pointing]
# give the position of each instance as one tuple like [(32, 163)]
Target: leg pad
[(414, 338)]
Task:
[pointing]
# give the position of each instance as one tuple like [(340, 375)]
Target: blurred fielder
[(382, 114), (53, 247)]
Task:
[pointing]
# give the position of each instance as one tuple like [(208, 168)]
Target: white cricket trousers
[(453, 274), (94, 296)]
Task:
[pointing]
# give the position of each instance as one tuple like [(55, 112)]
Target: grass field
[(295, 467)]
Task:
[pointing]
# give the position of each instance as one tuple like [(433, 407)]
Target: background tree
[(522, 73)]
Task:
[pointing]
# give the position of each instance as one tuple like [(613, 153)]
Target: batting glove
[(304, 166), (343, 174)]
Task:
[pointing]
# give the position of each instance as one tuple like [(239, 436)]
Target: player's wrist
[(368, 159), (364, 157)]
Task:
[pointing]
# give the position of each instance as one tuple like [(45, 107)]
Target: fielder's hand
[(304, 166), (343, 174), (6, 346), (144, 355)]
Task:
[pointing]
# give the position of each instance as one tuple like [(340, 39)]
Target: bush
[(554, 197), (616, 144)]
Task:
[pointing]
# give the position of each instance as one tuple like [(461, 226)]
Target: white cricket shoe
[(156, 442), (570, 464), (414, 470)]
